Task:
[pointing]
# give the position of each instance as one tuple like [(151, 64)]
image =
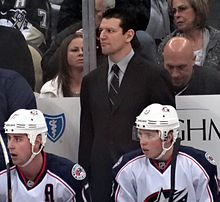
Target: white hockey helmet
[(159, 117), (30, 122)]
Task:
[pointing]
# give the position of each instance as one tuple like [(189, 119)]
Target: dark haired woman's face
[(75, 53), (184, 15)]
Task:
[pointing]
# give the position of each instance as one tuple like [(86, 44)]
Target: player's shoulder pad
[(203, 157), (124, 159), (64, 168)]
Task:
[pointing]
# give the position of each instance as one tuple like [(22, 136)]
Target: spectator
[(45, 177), (188, 78), (145, 174), (30, 17), (150, 13), (15, 54), (190, 19), (67, 83), (159, 15), (144, 44), (106, 128), (71, 12), (15, 93), (50, 59)]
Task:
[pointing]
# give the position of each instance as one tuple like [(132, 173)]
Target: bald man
[(187, 78)]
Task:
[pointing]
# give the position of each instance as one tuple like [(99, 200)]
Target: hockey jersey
[(139, 179), (60, 180), (31, 17)]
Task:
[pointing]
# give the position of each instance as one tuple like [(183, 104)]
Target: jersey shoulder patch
[(210, 159), (78, 172)]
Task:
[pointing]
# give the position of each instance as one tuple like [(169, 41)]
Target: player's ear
[(170, 136), (38, 141)]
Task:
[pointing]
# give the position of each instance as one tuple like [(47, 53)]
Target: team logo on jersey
[(78, 172), (162, 165), (209, 158), (56, 125), (164, 195), (30, 183)]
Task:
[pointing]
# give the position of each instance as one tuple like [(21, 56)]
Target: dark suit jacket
[(104, 134)]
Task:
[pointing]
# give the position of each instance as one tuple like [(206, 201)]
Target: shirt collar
[(121, 64)]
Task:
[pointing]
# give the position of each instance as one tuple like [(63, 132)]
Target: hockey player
[(36, 175), (145, 175)]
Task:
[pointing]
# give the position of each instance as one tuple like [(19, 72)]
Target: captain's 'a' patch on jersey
[(164, 196)]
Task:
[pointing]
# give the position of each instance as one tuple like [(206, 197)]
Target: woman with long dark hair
[(67, 83)]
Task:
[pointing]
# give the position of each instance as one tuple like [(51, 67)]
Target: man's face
[(112, 39), (179, 66), (150, 143), (19, 148)]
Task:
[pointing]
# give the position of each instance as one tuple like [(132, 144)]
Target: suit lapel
[(103, 84), (126, 84)]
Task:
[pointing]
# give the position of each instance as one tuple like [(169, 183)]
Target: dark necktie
[(114, 85)]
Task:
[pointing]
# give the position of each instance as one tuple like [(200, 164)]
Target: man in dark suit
[(106, 128)]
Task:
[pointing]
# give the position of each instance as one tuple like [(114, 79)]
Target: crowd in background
[(44, 25)]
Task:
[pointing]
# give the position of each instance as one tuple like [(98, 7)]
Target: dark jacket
[(69, 14), (15, 54), (15, 93)]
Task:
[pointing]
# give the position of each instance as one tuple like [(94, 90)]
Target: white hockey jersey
[(60, 180), (139, 179)]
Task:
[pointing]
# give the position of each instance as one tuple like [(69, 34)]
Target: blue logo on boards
[(56, 125)]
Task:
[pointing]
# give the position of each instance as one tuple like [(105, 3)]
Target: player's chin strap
[(173, 167), (166, 149), (33, 155)]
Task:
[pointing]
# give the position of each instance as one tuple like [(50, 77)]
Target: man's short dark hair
[(128, 19)]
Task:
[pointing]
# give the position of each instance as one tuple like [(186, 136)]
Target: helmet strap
[(32, 156), (164, 150), (30, 159)]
